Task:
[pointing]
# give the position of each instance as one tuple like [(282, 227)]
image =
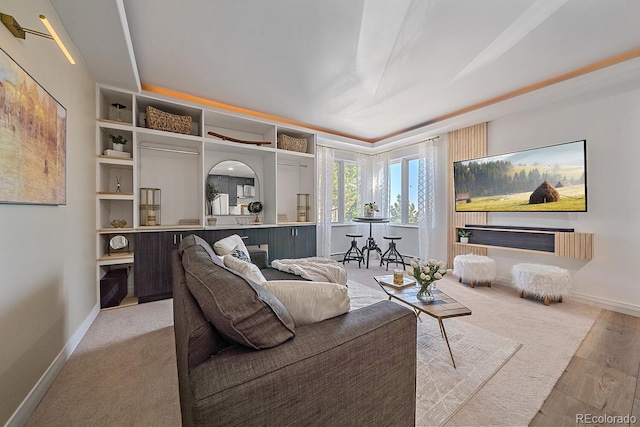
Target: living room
[(48, 307)]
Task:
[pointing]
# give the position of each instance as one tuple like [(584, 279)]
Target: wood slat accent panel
[(574, 245), (463, 144)]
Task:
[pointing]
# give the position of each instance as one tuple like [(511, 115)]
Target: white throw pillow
[(245, 268), (310, 302), (229, 244)]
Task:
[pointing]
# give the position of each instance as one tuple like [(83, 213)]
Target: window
[(403, 195), (345, 191)]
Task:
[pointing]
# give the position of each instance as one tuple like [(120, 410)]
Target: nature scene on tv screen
[(542, 179)]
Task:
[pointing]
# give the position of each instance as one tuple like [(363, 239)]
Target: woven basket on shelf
[(286, 142), (160, 120)]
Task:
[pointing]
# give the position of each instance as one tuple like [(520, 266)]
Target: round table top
[(370, 219)]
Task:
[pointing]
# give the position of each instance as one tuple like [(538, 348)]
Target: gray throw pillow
[(242, 311)]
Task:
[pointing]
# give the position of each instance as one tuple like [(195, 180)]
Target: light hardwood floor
[(601, 379)]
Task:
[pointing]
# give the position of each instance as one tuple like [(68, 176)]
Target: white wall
[(47, 253), (611, 127)]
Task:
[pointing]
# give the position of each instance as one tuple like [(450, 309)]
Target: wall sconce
[(20, 32)]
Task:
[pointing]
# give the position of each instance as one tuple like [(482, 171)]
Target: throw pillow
[(239, 309), (230, 244), (245, 268), (310, 302), (241, 255)]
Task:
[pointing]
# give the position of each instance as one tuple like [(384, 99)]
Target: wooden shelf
[(116, 258)]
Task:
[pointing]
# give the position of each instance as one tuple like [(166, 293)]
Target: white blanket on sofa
[(317, 269)]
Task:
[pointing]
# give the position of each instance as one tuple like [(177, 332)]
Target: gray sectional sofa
[(357, 369)]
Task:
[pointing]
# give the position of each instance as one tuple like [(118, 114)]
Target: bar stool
[(353, 254), (392, 254)]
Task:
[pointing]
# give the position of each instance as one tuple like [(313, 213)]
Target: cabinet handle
[(181, 238), (174, 239), (296, 231)]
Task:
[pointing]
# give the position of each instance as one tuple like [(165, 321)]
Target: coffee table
[(442, 307)]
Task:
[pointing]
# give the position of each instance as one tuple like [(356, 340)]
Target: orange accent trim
[(192, 98), (635, 53)]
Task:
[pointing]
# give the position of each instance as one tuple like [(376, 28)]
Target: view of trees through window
[(400, 172), (345, 189), (403, 195)]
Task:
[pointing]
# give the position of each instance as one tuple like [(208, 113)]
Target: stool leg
[(546, 300), (560, 299), (473, 283), (521, 294), (489, 284)]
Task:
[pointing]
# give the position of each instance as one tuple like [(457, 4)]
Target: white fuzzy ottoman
[(543, 281), (474, 269)]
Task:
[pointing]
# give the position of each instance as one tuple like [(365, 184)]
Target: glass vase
[(425, 293)]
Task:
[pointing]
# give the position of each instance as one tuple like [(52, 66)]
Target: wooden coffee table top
[(442, 307)]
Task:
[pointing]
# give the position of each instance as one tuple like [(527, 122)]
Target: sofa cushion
[(245, 268), (229, 245), (242, 311), (310, 302)]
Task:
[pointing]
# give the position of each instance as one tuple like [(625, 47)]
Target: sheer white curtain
[(373, 172), (426, 194), (326, 158)]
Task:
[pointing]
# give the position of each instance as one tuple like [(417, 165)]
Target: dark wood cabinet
[(292, 242), (152, 268)]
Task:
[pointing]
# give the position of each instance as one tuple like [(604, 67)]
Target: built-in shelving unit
[(554, 241), (178, 164)]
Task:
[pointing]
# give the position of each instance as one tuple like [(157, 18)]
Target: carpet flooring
[(123, 372), (442, 389)]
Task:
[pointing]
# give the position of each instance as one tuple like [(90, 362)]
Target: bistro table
[(371, 244)]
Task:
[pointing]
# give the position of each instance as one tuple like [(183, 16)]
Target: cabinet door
[(152, 266), (305, 238), (292, 242)]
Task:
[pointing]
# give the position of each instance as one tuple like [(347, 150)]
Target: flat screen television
[(546, 179)]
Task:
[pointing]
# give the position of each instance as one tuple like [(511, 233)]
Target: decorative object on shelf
[(118, 223), (33, 129), (282, 217), (118, 183), (303, 207), (211, 193), (212, 221), (119, 154), (118, 243), (426, 274), (189, 221), (150, 206), (117, 112), (241, 141), (255, 208), (118, 142), (464, 236), (161, 120), (370, 208), (289, 143)]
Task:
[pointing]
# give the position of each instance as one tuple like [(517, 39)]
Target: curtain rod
[(170, 150), (433, 138)]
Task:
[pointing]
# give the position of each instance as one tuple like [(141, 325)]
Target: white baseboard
[(620, 307), (29, 404)]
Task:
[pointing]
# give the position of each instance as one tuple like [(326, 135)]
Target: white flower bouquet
[(426, 273)]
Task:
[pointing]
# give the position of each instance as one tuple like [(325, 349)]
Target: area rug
[(441, 389)]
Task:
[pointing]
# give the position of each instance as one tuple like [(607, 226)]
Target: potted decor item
[(426, 274), (370, 209), (117, 142), (464, 236), (211, 193)]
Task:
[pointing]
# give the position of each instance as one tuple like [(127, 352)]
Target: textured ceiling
[(363, 69)]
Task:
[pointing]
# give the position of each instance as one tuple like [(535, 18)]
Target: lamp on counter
[(20, 32)]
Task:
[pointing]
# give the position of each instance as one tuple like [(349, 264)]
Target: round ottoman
[(543, 281), (474, 269)]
